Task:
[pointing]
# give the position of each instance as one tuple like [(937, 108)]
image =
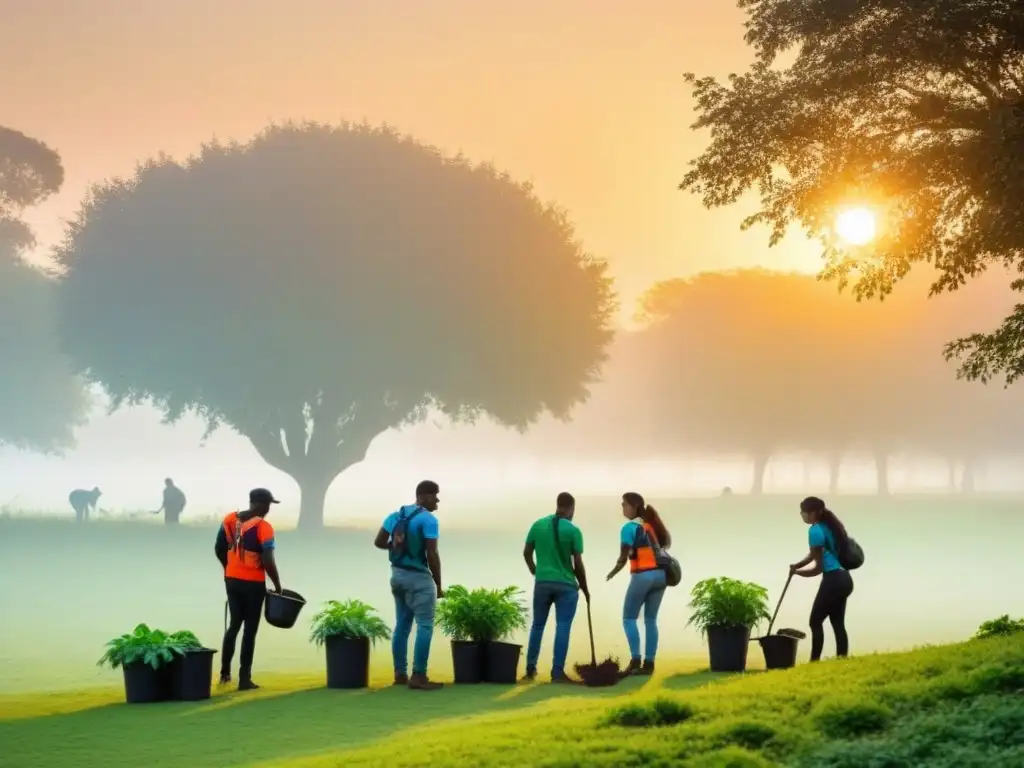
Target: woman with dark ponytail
[(827, 538), (643, 531)]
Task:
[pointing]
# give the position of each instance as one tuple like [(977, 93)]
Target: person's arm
[(528, 551), (816, 539), (624, 550), (268, 548), (431, 533), (577, 562), (220, 547), (627, 537), (383, 539), (800, 564)]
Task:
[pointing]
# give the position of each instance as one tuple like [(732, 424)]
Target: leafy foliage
[(658, 712), (351, 618), (481, 615), (852, 718), (1003, 625), (298, 335), (725, 602), (912, 108), (151, 646), (30, 172)]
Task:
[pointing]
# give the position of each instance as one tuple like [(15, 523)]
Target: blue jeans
[(415, 599), (564, 597), (645, 590)]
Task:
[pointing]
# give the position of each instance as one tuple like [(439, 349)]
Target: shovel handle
[(779, 604), (590, 629)]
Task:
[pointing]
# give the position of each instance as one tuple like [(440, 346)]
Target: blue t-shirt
[(423, 526), (629, 532), (820, 535)]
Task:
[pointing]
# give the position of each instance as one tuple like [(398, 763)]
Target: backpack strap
[(555, 524)]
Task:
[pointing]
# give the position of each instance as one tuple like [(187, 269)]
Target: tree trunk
[(313, 488), (882, 470), (835, 463), (967, 480), (760, 467)]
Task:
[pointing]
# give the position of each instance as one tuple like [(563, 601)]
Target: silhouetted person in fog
[(82, 501), (827, 538), (245, 547), (174, 503)]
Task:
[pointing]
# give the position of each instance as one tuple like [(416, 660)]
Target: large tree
[(915, 107), (40, 401), (319, 285)]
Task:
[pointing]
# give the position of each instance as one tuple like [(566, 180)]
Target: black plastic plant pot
[(348, 662), (727, 647), (282, 609), (501, 664), (468, 661), (145, 685), (779, 651), (192, 675)]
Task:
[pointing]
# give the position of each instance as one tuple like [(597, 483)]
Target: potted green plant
[(347, 630), (144, 657), (477, 622), (725, 611), (191, 671)]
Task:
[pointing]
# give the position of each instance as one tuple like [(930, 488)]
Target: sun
[(856, 226)]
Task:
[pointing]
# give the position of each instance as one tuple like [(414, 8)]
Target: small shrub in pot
[(477, 622), (346, 630), (144, 656), (725, 611)]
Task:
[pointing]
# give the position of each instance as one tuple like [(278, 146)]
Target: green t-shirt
[(555, 563)]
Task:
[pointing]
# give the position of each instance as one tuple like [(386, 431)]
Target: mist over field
[(934, 572)]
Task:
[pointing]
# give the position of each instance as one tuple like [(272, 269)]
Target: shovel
[(596, 675), (780, 650)]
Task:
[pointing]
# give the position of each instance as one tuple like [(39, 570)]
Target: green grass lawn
[(959, 705)]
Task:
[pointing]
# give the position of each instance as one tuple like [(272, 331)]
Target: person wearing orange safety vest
[(245, 547), (643, 531)]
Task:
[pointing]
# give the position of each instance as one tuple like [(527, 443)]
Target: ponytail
[(828, 517), (650, 516)]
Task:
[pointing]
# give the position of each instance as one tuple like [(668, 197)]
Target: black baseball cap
[(262, 496)]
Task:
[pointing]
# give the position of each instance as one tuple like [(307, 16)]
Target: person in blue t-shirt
[(410, 534), (827, 537)]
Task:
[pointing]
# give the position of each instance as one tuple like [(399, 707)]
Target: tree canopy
[(913, 108), (320, 284), (40, 401), (759, 362)]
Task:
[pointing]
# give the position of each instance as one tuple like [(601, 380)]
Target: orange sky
[(584, 97)]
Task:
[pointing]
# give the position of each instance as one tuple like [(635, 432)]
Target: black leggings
[(830, 603), (245, 605)]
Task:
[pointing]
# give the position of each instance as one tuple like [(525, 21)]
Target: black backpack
[(851, 557), (400, 538)]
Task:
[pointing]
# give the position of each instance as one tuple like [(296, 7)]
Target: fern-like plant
[(482, 615), (353, 619), (726, 603), (150, 646)]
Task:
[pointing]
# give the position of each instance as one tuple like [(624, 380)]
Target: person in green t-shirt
[(559, 578)]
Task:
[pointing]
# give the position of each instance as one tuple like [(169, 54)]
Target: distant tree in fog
[(758, 362), (40, 401), (914, 106), (319, 285)]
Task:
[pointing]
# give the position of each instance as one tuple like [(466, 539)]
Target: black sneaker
[(530, 676), (632, 669), (225, 678), (247, 685), (646, 669)]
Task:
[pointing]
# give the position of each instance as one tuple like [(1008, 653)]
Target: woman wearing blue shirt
[(827, 537), (643, 531)]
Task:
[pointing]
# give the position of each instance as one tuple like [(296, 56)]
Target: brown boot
[(421, 683), (646, 669), (401, 680)]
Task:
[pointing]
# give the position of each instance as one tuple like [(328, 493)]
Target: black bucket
[(145, 685), (192, 675), (468, 661), (501, 663), (348, 662), (282, 610), (779, 651), (727, 647)]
